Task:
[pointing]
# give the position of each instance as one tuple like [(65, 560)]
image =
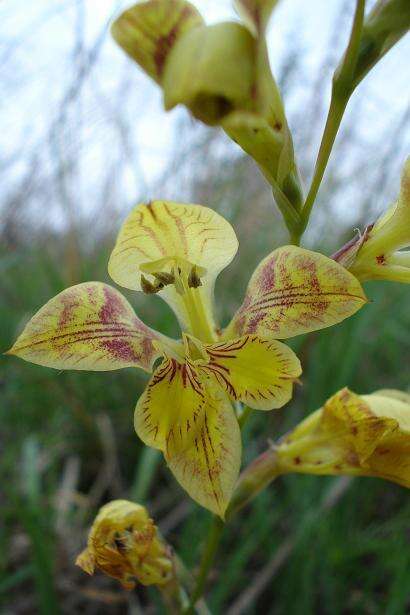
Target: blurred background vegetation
[(85, 140)]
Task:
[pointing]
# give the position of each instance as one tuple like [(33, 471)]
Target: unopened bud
[(378, 253), (386, 23), (366, 435), (124, 544)]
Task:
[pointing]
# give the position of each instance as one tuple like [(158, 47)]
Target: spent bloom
[(124, 544), (378, 254), (177, 251)]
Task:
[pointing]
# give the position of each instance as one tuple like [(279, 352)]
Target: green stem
[(173, 596), (295, 237), (334, 118), (342, 89), (211, 546), (147, 466)]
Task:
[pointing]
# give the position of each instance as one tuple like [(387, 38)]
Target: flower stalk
[(342, 88), (211, 546)]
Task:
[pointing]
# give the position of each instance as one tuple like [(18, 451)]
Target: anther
[(193, 279), (164, 277), (149, 288)]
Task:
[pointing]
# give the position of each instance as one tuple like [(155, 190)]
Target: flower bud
[(124, 544), (386, 23), (377, 254)]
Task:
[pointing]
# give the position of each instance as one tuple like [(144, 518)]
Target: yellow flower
[(124, 544), (378, 253), (176, 251), (221, 73), (366, 435)]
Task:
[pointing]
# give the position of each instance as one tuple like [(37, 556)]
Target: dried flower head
[(124, 544)]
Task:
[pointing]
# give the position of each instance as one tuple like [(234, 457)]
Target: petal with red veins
[(90, 326), (294, 291), (258, 372)]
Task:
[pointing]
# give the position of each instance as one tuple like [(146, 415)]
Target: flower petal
[(255, 371), (90, 326), (255, 13), (348, 414), (392, 404), (376, 255), (164, 235), (391, 458), (164, 229), (264, 142), (208, 469), (171, 410), (294, 291), (392, 230), (211, 70), (147, 31)]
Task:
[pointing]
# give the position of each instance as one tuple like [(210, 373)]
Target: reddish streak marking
[(121, 251), (112, 332), (180, 228), (112, 308), (221, 377), (154, 238), (209, 467), (289, 301), (230, 346), (151, 210)]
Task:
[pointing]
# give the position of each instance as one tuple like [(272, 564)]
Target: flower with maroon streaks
[(177, 251)]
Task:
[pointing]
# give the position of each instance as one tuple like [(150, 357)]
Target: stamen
[(179, 281), (164, 277), (149, 288), (193, 279), (186, 278)]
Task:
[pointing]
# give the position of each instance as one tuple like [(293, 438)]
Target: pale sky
[(39, 42)]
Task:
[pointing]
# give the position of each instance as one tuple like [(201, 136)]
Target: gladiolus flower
[(357, 435), (124, 544), (378, 254), (366, 435), (177, 251)]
